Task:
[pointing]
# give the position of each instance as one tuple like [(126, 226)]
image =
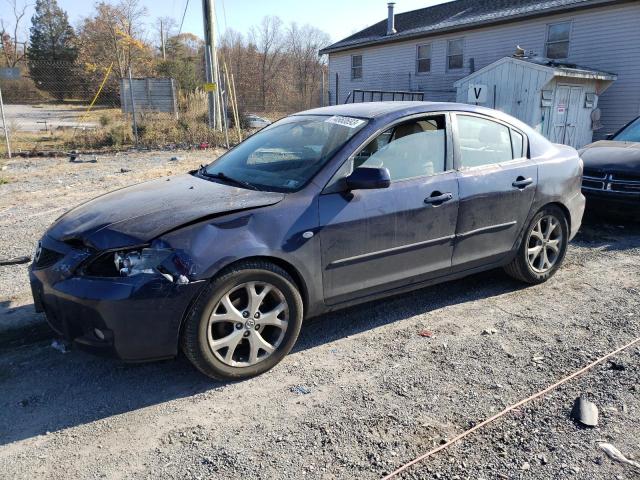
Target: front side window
[(356, 67), (557, 45), (483, 142), (455, 54), (423, 60), (286, 155), (630, 133), (411, 149)]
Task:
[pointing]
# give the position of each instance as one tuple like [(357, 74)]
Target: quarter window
[(412, 149), (356, 67), (455, 54), (483, 142), (557, 45), (423, 60), (517, 143)]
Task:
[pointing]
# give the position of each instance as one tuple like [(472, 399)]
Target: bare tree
[(303, 44), (268, 40), (10, 45), (115, 33), (134, 14)]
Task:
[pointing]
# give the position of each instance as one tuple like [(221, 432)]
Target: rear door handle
[(437, 198), (522, 182)]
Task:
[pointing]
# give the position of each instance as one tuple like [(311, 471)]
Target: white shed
[(558, 100)]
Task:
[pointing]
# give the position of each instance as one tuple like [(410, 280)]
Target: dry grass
[(114, 130)]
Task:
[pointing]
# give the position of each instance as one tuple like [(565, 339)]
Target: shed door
[(565, 114)]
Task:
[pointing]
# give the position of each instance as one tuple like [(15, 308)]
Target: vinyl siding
[(606, 38)]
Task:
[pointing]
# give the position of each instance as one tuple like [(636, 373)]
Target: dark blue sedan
[(321, 210)]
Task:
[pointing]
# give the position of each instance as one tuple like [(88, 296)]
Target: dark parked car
[(323, 209), (611, 179)]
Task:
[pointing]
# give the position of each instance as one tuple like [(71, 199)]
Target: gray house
[(430, 49)]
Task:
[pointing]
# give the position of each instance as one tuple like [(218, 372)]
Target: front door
[(497, 184), (375, 240)]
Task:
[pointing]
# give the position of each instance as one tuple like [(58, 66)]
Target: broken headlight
[(152, 260)]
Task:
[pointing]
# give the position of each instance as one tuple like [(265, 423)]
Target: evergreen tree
[(52, 51)]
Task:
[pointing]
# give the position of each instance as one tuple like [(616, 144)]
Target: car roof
[(373, 110), (388, 111)]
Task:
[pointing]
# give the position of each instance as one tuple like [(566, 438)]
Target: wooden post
[(232, 98), (4, 126), (133, 107)]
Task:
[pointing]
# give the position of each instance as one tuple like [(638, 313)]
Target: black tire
[(194, 339), (520, 267)]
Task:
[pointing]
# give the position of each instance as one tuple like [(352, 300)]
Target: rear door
[(497, 184), (375, 240)]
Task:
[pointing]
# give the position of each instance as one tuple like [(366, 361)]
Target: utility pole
[(164, 53), (211, 62)]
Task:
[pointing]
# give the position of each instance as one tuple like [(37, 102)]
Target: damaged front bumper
[(137, 317)]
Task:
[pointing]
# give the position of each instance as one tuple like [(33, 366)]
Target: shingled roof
[(458, 15)]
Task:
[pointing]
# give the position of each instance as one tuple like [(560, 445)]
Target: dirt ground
[(361, 394)]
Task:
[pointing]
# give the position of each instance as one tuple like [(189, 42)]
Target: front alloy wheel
[(246, 320), (248, 324)]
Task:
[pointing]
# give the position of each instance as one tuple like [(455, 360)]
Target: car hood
[(612, 156), (137, 214)]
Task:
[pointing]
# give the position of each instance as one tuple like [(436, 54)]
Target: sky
[(339, 18)]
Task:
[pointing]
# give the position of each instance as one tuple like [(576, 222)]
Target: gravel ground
[(362, 392), (38, 118)]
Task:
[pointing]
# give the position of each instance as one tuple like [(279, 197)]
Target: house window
[(356, 67), (455, 56), (557, 45), (423, 58)]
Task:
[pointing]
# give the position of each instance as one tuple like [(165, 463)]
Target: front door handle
[(522, 182), (438, 198)]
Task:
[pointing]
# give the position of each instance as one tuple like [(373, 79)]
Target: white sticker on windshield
[(345, 121)]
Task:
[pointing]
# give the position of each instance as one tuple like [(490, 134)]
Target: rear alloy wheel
[(543, 244), (543, 247), (244, 323)]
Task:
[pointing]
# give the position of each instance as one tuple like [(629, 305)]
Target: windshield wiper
[(223, 176)]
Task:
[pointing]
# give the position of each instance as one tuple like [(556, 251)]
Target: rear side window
[(483, 142), (415, 148)]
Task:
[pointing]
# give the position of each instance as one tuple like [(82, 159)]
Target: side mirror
[(609, 136), (368, 178)]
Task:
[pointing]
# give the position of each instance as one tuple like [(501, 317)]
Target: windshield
[(286, 155), (631, 133)]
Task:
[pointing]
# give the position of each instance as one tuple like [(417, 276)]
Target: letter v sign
[(477, 94)]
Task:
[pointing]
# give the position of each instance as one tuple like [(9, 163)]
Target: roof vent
[(391, 20)]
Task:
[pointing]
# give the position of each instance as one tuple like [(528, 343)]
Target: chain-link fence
[(54, 107)]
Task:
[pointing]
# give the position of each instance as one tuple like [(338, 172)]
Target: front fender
[(280, 232)]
